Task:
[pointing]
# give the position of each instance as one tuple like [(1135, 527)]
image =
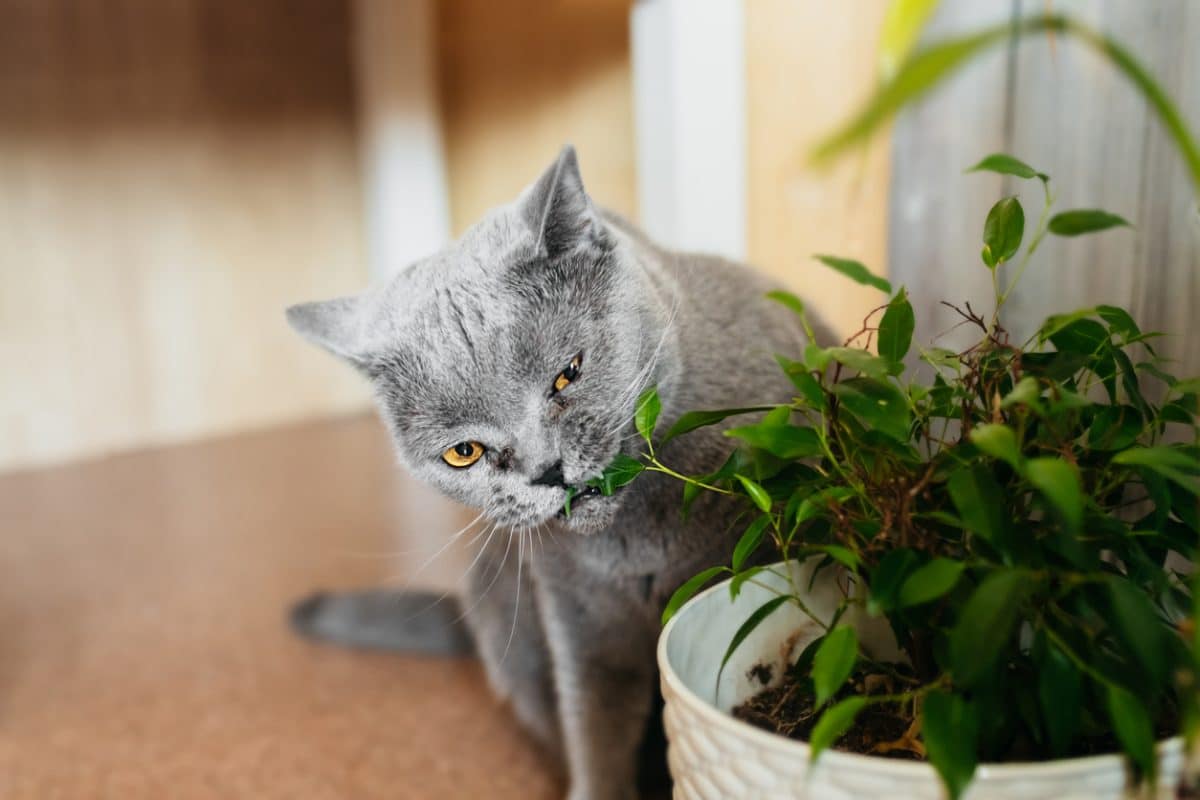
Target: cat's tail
[(413, 622)]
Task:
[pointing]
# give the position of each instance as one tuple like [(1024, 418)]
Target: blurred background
[(176, 466)]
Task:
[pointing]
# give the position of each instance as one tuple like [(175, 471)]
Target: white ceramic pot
[(714, 756)]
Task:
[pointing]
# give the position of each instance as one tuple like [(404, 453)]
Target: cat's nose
[(551, 476)]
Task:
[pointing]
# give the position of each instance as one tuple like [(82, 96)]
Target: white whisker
[(376, 554), (495, 577), (466, 573), (644, 375), (517, 603), (453, 538)]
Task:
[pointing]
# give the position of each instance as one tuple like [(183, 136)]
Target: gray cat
[(507, 367)]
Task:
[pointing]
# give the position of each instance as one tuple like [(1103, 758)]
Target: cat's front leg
[(501, 611), (602, 647)]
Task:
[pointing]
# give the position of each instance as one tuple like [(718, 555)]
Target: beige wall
[(171, 175), (521, 78), (809, 64)]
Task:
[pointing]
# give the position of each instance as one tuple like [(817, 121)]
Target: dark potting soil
[(881, 729), (788, 709)]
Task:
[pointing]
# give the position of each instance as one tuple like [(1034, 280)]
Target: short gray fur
[(465, 346)]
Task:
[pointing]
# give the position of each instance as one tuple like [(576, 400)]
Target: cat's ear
[(335, 325), (558, 211)]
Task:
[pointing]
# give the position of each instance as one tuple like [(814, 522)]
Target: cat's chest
[(649, 555)]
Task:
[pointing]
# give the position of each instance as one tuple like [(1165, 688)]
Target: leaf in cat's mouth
[(575, 494), (619, 473)]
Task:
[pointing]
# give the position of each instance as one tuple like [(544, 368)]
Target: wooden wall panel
[(1078, 120), (171, 176), (937, 211), (809, 65), (1060, 107), (521, 78)]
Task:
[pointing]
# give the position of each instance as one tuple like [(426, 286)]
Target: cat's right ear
[(558, 211), (335, 325)]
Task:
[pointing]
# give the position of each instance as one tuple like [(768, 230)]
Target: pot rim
[(858, 761)]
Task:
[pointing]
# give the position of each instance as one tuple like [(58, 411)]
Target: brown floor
[(143, 652)]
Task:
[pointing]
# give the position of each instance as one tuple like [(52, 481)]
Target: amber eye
[(569, 374), (463, 454)]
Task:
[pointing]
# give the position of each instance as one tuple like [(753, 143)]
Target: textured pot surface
[(716, 757)]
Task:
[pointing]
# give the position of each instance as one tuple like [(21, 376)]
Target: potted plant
[(958, 572), (972, 559)]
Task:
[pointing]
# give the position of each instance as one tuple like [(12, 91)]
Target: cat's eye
[(463, 454), (568, 375)]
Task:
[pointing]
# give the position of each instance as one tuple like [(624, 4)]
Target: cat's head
[(507, 365)]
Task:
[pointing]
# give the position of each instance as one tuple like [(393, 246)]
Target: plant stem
[(658, 466), (1039, 234)]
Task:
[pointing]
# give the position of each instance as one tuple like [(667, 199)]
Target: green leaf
[(998, 441), (803, 380), (833, 724), (1060, 697), (1056, 322), (757, 493), (777, 417), (1083, 220), (1027, 392), (1093, 343), (950, 729), (689, 588), (1131, 723), (1170, 462), (691, 492), (941, 357), (930, 582), (985, 624), (979, 501), (855, 271), (621, 471), (645, 417), (933, 64), (902, 24), (786, 441), (1139, 627), (1007, 165), (861, 360), (817, 503), (1003, 231), (754, 620), (1177, 411), (735, 585), (787, 299), (834, 661), (749, 542), (1058, 481), (1189, 386), (816, 358), (888, 577), (843, 555), (1119, 321), (700, 419), (878, 404), (1115, 428), (1153, 369), (916, 76), (896, 328)]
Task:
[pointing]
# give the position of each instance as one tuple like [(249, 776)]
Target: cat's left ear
[(559, 212)]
